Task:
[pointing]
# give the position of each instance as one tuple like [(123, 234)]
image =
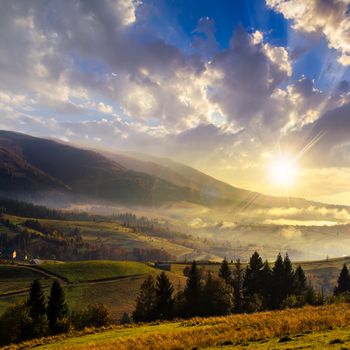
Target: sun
[(283, 172)]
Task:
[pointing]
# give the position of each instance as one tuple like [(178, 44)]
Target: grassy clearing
[(96, 270), (310, 326)]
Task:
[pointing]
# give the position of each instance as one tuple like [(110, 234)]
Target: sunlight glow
[(283, 172)]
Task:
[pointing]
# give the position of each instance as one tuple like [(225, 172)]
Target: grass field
[(113, 283), (96, 270), (14, 278), (326, 327)]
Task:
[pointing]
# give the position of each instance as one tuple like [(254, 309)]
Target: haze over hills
[(32, 166)]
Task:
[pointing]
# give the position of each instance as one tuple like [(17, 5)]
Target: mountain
[(209, 188), (35, 167), (41, 168)]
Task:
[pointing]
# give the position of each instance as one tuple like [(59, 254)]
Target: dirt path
[(46, 273)]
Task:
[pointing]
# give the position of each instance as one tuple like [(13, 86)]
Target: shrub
[(293, 301), (126, 319), (96, 315), (16, 324), (253, 303)]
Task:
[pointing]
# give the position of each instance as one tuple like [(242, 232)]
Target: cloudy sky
[(225, 86)]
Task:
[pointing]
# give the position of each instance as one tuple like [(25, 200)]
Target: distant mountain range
[(37, 168)]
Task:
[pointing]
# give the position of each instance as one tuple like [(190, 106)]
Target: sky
[(253, 92)]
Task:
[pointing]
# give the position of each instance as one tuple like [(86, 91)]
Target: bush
[(96, 315), (126, 319), (253, 303), (15, 324), (293, 301)]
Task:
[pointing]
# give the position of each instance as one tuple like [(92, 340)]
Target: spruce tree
[(343, 285), (237, 283), (57, 309), (300, 282), (277, 293), (225, 272), (193, 291), (146, 301), (164, 297), (253, 276), (37, 309), (266, 284), (36, 301), (288, 277)]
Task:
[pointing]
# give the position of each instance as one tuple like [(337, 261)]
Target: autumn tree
[(217, 297)]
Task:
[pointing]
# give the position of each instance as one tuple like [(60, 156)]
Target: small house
[(10, 254), (162, 265)]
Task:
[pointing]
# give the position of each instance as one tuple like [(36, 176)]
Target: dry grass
[(206, 332)]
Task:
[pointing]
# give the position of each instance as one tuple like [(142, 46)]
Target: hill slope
[(311, 327), (211, 190), (31, 165)]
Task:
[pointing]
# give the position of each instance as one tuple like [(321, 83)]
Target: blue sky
[(224, 86), (316, 61)]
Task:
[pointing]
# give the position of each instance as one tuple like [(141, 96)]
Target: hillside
[(34, 167), (41, 169), (311, 327), (211, 191), (113, 283)]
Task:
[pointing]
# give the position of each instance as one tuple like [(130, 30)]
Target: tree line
[(35, 240), (239, 290), (36, 318)]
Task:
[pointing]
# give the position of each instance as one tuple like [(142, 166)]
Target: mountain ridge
[(33, 165)]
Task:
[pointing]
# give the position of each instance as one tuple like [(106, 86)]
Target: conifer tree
[(36, 300), (288, 276), (57, 309), (266, 284), (237, 283), (164, 297), (343, 285), (225, 272), (300, 282), (146, 301), (253, 276), (37, 309), (277, 294), (193, 291)]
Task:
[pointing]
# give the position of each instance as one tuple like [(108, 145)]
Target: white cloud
[(105, 108), (331, 18)]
